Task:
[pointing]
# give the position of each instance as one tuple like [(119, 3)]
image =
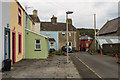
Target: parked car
[(64, 48)]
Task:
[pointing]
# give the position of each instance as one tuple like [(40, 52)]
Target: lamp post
[(95, 29), (69, 12)]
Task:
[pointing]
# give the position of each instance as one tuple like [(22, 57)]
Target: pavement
[(103, 67), (53, 67)]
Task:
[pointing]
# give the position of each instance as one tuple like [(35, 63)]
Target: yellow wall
[(17, 28)]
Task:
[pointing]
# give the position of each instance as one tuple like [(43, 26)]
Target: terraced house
[(20, 34), (56, 31), (17, 31), (36, 45), (12, 31)]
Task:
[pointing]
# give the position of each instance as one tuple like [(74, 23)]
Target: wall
[(63, 39), (30, 46), (37, 27), (4, 20), (27, 21), (52, 34), (111, 49), (92, 46), (17, 28), (1, 36)]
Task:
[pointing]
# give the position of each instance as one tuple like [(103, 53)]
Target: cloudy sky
[(83, 10)]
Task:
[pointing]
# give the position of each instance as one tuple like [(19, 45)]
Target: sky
[(83, 11)]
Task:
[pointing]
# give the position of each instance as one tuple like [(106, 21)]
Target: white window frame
[(63, 33), (69, 33), (37, 44)]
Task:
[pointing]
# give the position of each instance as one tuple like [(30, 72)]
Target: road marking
[(89, 68)]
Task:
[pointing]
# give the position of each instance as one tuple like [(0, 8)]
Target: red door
[(13, 46)]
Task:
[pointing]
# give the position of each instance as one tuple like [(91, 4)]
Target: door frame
[(7, 30), (14, 32)]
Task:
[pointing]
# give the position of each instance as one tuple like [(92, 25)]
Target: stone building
[(57, 30)]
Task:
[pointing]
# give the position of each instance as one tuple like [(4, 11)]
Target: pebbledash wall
[(30, 52), (1, 36), (52, 34), (17, 29), (4, 23)]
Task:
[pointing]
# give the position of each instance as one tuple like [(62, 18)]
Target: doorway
[(7, 44), (13, 46)]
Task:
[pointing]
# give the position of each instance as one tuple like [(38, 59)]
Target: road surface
[(102, 66)]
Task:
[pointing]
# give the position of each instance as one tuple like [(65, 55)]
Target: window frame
[(36, 49), (63, 33), (69, 33), (19, 42)]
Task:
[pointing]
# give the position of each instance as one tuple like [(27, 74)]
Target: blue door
[(7, 44)]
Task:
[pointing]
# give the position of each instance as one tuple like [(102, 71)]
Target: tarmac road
[(102, 66)]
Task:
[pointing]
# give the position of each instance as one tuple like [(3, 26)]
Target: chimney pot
[(54, 20), (35, 12)]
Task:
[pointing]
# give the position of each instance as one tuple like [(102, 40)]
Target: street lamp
[(69, 12)]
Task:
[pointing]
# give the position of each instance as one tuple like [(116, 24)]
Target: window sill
[(37, 50)]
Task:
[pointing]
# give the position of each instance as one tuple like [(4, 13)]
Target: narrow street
[(101, 66)]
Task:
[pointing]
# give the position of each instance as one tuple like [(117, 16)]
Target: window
[(19, 16), (19, 43), (87, 45), (63, 33), (37, 44), (69, 34)]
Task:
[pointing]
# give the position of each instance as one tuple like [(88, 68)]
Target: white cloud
[(83, 10)]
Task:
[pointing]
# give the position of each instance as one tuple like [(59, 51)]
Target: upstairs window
[(63, 33), (19, 16), (37, 44)]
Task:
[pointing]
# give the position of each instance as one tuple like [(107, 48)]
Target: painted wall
[(37, 27), (52, 34), (4, 21), (5, 18), (27, 21), (15, 26), (30, 52), (1, 36)]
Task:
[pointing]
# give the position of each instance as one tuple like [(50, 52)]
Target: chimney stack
[(54, 20), (69, 21), (35, 12)]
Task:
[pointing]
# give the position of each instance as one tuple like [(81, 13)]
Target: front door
[(13, 47), (7, 44)]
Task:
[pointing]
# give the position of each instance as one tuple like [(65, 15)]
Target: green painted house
[(36, 45)]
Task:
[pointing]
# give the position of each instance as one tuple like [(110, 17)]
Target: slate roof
[(110, 27), (35, 18), (48, 26), (107, 40), (51, 39)]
